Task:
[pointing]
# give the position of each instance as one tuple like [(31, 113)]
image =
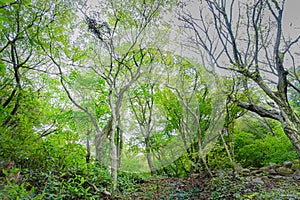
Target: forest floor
[(272, 182), (226, 187)]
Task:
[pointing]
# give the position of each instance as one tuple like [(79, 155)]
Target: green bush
[(14, 191), (251, 151), (84, 182), (218, 158)]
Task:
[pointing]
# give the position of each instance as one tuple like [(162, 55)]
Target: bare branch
[(263, 112)]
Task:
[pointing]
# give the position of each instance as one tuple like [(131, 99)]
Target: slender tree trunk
[(114, 158), (232, 140), (88, 148), (119, 141), (202, 157), (150, 163), (149, 159), (226, 147)]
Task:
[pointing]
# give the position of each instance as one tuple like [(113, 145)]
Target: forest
[(149, 99)]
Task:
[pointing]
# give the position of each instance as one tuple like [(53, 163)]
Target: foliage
[(84, 182), (218, 159), (242, 188), (219, 187), (129, 183), (44, 53), (254, 150), (14, 191), (271, 149), (254, 145)]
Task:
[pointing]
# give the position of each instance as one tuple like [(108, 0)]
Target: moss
[(296, 166)]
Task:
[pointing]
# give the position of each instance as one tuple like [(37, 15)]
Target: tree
[(26, 115), (248, 39), (118, 51), (200, 113), (191, 111), (142, 106)]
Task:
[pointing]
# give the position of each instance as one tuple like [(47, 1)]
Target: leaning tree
[(251, 41)]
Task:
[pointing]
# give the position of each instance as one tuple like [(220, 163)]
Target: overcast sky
[(292, 17)]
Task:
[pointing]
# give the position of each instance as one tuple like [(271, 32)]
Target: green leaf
[(4, 19), (2, 68), (7, 1)]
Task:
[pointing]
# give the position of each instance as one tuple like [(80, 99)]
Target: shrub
[(251, 151)]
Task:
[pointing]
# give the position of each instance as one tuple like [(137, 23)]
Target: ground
[(221, 187)]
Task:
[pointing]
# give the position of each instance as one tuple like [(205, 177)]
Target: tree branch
[(263, 112)]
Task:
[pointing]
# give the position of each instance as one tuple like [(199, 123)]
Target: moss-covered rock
[(297, 173), (296, 161), (273, 165), (295, 166), (245, 172), (284, 171), (287, 164)]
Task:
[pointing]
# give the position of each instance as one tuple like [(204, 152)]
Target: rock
[(218, 173), (230, 173), (295, 166), (297, 178), (257, 172), (271, 165), (284, 171), (287, 164), (258, 181), (195, 176), (296, 161), (238, 169), (277, 177), (297, 173), (265, 169), (272, 172), (245, 172)]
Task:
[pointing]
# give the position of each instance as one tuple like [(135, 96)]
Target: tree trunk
[(115, 117), (100, 138), (119, 141), (99, 142), (294, 136), (88, 148), (291, 126), (150, 163), (114, 158)]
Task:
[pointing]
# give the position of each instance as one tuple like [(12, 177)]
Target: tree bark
[(291, 126), (149, 159), (119, 141), (114, 158), (88, 148), (100, 138)]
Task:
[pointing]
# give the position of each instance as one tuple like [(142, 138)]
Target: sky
[(291, 19)]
